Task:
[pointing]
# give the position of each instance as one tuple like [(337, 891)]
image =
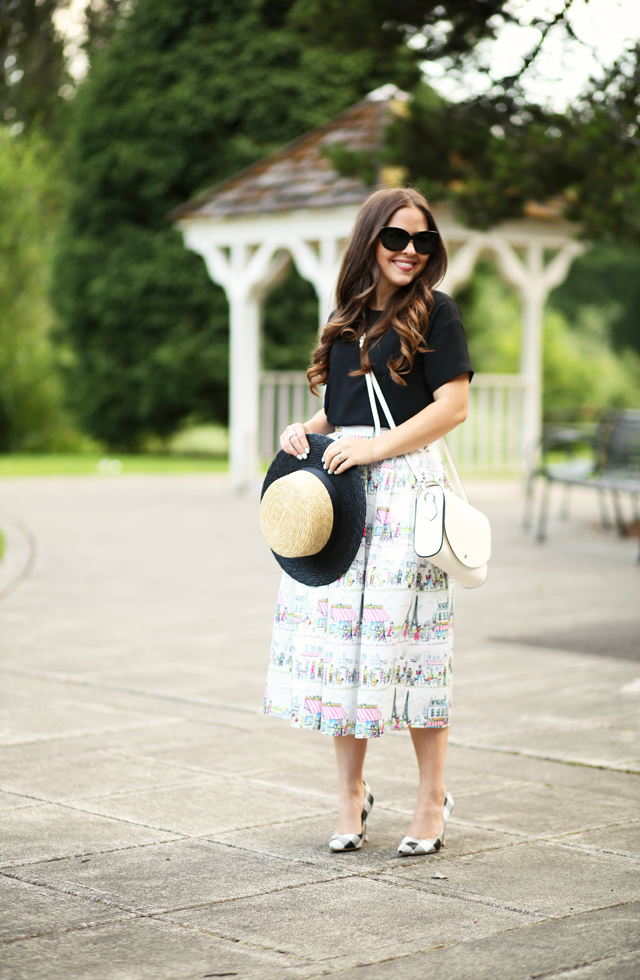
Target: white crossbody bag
[(448, 531)]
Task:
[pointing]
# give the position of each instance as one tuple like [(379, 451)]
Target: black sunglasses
[(397, 239)]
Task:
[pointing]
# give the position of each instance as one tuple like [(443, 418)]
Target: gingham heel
[(411, 845), (351, 842)]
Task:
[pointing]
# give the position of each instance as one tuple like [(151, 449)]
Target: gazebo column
[(233, 269), (320, 268), (244, 385), (250, 276), (534, 293), (534, 281), (327, 277), (245, 273)]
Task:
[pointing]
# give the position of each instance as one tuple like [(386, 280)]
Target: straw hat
[(312, 520)]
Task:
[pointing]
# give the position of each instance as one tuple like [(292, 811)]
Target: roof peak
[(388, 93), (300, 175)]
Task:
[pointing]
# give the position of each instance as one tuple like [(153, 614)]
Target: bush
[(290, 325), (583, 372), (186, 93), (31, 414)]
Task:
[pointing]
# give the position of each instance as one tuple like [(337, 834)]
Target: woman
[(372, 651)]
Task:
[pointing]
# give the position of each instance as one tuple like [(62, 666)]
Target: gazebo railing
[(490, 441), (284, 398)]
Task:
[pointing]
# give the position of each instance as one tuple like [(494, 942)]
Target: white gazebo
[(294, 206)]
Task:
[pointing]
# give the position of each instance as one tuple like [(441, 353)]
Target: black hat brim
[(349, 516)]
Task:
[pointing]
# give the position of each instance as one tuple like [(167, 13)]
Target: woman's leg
[(350, 753), (431, 747)]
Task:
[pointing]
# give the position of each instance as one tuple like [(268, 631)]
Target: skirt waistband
[(367, 431)]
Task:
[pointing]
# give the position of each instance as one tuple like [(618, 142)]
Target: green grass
[(70, 464)]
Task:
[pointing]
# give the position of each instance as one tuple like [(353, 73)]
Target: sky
[(604, 28), (563, 67)]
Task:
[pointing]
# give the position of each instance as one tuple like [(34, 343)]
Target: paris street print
[(372, 651)]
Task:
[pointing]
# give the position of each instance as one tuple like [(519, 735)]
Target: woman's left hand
[(345, 452)]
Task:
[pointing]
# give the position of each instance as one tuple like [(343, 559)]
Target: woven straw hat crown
[(296, 515), (313, 520)]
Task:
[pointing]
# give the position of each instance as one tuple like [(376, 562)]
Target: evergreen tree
[(493, 156), (35, 83), (605, 278), (32, 65), (31, 192), (185, 93)]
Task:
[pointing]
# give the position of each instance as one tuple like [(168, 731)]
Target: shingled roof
[(299, 175)]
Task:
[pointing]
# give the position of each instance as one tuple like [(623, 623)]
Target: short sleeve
[(448, 355)]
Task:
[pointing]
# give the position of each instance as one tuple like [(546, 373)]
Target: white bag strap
[(453, 469), (375, 391), (374, 407)]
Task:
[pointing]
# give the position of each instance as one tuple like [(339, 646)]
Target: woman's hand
[(346, 452), (294, 440)]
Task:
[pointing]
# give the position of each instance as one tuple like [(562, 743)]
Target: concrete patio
[(156, 825)]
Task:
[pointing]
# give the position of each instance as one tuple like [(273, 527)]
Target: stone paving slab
[(615, 639), (624, 967), (26, 910), (178, 875), (158, 708), (13, 801), (147, 949), (560, 947), (516, 767), (386, 829), (18, 554), (218, 686), (603, 745), (234, 751), (526, 809), (30, 719), (624, 839), (310, 922), (532, 877), (508, 667), (86, 774), (207, 805), (44, 833)]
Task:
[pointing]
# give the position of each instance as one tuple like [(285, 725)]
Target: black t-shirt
[(346, 401)]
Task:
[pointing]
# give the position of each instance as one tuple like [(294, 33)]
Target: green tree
[(582, 373), (32, 65), (184, 94), (215, 86), (290, 325), (35, 82), (493, 155), (607, 279), (31, 417)]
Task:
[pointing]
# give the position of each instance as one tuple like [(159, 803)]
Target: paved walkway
[(156, 825)]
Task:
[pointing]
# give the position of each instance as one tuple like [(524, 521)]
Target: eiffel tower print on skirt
[(395, 720)]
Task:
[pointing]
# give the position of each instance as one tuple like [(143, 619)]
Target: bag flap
[(468, 531), (429, 526)]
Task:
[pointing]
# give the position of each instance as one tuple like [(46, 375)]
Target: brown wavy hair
[(407, 310)]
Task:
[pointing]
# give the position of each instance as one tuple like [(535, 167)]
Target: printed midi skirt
[(371, 651)]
